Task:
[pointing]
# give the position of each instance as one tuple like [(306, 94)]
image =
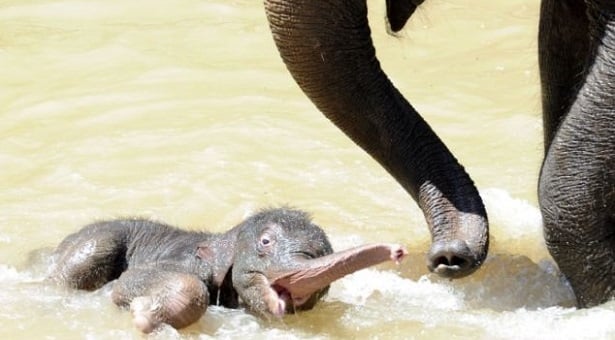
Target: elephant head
[(327, 47), (283, 262)]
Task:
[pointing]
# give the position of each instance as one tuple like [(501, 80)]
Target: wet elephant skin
[(327, 47), (275, 262)]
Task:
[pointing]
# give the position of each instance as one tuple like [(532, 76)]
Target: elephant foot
[(143, 314), (277, 300)]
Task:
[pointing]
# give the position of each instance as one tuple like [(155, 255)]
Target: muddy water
[(182, 111)]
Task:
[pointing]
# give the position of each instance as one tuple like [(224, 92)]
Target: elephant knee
[(579, 228), (187, 300)]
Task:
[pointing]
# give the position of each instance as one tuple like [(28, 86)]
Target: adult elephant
[(327, 48)]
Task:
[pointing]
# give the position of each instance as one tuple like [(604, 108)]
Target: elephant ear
[(399, 11), (220, 259)]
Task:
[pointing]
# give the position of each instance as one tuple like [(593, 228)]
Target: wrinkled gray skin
[(326, 46), (276, 261)]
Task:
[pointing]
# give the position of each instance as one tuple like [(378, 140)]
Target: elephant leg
[(577, 181), (563, 49), (89, 258), (156, 296)]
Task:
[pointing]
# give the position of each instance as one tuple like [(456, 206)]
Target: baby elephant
[(274, 262)]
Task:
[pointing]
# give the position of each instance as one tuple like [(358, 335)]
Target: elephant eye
[(305, 254), (266, 240)]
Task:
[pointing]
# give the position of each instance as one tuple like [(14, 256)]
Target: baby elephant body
[(274, 262)]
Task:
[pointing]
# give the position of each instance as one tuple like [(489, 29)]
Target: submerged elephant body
[(326, 46), (276, 261)]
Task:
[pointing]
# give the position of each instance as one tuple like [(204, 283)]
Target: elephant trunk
[(326, 46), (313, 275)]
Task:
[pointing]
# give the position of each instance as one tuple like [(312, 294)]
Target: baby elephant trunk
[(315, 274)]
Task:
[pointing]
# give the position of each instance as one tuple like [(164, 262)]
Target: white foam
[(548, 323), (4, 238), (519, 217), (390, 288), (9, 274)]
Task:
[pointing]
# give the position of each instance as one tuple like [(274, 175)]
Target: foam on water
[(515, 225), (499, 302), (519, 216), (9, 274)]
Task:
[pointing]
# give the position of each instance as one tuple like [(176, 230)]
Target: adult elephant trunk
[(327, 48)]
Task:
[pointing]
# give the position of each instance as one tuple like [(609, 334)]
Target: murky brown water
[(182, 111)]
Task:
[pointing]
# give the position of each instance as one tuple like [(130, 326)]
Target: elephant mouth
[(291, 301)]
